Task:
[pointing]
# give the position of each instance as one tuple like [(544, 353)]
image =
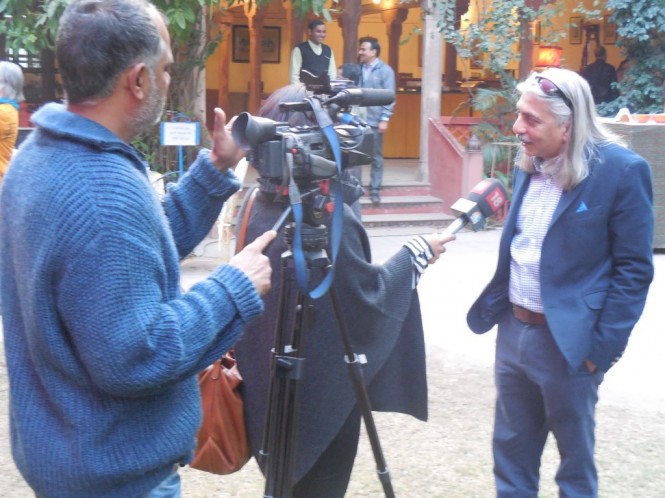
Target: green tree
[(489, 45), (30, 27), (490, 42)]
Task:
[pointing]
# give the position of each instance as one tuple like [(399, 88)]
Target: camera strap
[(326, 124)]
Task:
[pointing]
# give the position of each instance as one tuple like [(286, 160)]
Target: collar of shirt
[(11, 102), (316, 48), (549, 167), (367, 69)]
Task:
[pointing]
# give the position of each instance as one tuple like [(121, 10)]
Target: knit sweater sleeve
[(193, 204), (118, 291)]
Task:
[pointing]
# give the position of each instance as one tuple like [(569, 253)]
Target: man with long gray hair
[(103, 349), (575, 265)]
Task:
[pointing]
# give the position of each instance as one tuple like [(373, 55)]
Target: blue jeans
[(168, 488), (538, 393)]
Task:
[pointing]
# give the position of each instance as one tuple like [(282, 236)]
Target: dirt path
[(447, 457), (450, 456)]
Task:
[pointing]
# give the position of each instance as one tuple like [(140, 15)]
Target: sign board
[(180, 133)]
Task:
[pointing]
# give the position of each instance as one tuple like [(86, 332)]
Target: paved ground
[(449, 456)]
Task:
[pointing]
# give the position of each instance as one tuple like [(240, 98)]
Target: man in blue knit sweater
[(102, 347)]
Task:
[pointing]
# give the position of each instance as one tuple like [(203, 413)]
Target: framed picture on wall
[(609, 31), (575, 30), (270, 44)]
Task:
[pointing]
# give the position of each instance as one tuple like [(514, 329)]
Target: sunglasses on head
[(549, 88)]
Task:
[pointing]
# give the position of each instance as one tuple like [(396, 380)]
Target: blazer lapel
[(568, 196), (520, 185)]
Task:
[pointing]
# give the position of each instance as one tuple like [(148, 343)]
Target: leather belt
[(527, 316)]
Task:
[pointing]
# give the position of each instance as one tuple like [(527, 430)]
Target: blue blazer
[(596, 259)]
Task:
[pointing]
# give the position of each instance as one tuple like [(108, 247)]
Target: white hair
[(586, 131), (11, 81)]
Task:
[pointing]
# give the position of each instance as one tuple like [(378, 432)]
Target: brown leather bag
[(222, 446)]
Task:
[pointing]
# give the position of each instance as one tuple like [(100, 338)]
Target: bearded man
[(103, 348)]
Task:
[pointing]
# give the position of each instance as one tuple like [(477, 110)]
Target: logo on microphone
[(496, 198)]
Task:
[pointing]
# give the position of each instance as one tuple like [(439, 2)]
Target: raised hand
[(225, 153)]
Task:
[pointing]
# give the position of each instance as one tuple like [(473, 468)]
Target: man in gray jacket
[(376, 74)]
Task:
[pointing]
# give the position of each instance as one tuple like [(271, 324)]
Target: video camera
[(280, 152)]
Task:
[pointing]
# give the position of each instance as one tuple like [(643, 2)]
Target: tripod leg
[(280, 434), (357, 379)]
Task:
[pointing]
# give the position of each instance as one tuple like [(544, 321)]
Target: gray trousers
[(376, 173)]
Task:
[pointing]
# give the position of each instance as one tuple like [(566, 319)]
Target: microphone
[(484, 200), (362, 97)]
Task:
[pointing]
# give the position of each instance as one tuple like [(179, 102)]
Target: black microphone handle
[(376, 96), (363, 97)]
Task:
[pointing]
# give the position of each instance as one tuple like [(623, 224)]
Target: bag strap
[(241, 238)]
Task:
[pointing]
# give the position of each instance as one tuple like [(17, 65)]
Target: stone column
[(526, 49), (349, 21), (255, 19), (296, 24), (526, 41), (472, 165), (296, 27), (450, 64), (394, 19), (430, 93), (224, 61)]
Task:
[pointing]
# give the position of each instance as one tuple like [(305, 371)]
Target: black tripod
[(294, 317)]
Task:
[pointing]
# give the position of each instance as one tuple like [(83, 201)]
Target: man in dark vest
[(313, 55)]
